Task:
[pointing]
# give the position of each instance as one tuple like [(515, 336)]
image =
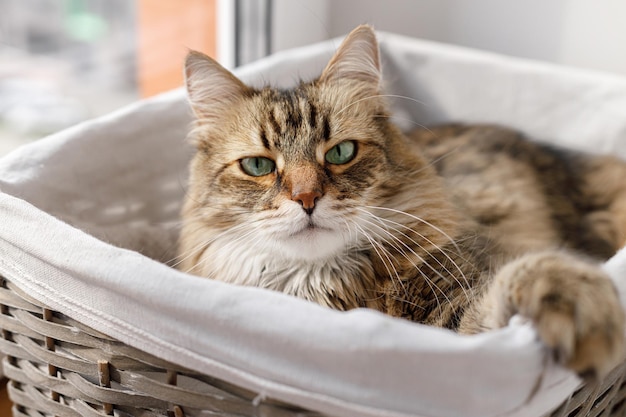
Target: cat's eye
[(257, 166), (341, 153)]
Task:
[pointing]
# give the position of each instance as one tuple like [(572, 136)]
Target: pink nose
[(307, 199)]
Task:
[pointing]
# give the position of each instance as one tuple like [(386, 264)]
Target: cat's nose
[(307, 199)]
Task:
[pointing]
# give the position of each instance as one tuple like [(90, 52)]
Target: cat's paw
[(574, 306)]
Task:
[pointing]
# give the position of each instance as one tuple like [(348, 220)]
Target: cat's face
[(297, 172)]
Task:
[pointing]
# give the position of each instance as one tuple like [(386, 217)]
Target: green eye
[(341, 153), (257, 166)]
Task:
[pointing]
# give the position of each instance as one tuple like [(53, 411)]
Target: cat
[(314, 192)]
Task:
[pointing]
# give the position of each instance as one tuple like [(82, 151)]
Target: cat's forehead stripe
[(294, 116), (326, 134), (291, 114), (275, 125), (264, 139), (312, 115)]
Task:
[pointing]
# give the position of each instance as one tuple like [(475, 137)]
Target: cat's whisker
[(389, 256), (382, 96), (204, 244), (356, 233), (397, 298), (376, 246), (406, 299), (427, 279), (411, 303), (437, 160), (429, 282), (191, 219), (182, 257), (382, 220), (403, 119), (197, 251), (421, 220), (383, 228), (350, 231), (444, 253), (204, 260), (377, 294)]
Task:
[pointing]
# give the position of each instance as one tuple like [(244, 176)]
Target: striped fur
[(457, 226)]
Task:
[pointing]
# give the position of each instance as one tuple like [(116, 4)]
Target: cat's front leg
[(572, 303)]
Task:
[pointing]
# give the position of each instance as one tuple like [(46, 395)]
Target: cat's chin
[(313, 244)]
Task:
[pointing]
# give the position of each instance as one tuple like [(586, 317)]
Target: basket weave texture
[(59, 367)]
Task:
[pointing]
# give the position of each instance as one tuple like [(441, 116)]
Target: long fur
[(454, 226)]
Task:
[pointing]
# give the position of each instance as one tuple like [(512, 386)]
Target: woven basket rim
[(56, 365)]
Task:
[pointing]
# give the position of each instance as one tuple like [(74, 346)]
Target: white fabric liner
[(70, 202)]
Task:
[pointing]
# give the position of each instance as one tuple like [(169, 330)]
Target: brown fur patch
[(455, 226)]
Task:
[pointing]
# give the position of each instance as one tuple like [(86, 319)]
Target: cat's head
[(297, 172)]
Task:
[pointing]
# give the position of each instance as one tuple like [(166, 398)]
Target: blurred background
[(64, 61)]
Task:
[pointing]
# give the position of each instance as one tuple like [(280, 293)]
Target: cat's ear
[(211, 87), (357, 59)]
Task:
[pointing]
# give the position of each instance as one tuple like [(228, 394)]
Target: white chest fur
[(342, 281)]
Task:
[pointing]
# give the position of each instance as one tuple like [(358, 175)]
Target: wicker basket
[(69, 204), (59, 367)]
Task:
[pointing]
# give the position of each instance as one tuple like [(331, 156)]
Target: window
[(64, 61)]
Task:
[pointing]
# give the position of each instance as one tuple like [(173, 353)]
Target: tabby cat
[(312, 191)]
